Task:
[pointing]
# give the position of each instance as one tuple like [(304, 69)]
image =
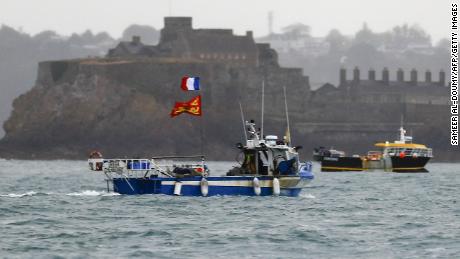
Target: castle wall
[(411, 91)]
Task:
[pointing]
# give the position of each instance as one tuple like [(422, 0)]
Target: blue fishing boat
[(267, 166)]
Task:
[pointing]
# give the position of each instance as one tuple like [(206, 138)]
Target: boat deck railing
[(164, 165)]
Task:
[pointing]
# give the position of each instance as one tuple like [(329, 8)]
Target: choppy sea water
[(58, 209)]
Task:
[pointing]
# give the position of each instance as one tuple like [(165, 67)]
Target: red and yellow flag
[(192, 107)]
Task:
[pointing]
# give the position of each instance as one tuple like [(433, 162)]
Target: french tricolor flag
[(190, 83)]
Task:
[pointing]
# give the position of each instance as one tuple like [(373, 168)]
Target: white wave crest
[(18, 195), (92, 193), (111, 194), (308, 196)]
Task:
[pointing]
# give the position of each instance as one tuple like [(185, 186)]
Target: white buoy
[(276, 187), (256, 185), (177, 188), (204, 187)]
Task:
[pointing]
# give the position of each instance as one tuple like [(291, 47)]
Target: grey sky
[(113, 16)]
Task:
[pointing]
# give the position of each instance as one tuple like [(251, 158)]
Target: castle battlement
[(413, 78)]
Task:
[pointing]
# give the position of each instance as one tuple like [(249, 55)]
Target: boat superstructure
[(268, 167), (272, 158), (402, 155)]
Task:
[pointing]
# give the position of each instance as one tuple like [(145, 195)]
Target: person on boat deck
[(249, 163), (263, 163)]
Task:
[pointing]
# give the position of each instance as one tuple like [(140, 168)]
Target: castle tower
[(413, 76), (428, 76), (178, 23), (343, 76), (386, 76), (175, 26), (442, 78), (400, 75), (371, 75), (356, 75)]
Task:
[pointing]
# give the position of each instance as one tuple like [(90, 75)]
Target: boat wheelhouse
[(404, 156)]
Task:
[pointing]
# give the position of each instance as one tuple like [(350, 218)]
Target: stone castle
[(120, 103), (179, 40), (373, 107)]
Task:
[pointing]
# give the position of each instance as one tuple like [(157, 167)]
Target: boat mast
[(262, 121), (402, 132), (288, 137), (244, 123), (402, 136)]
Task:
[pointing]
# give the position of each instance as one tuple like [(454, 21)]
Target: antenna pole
[(262, 121), (401, 130), (287, 115), (244, 125)]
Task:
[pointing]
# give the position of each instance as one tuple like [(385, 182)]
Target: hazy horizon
[(114, 16)]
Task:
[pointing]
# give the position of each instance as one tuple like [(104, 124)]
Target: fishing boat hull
[(218, 185), (340, 164), (401, 163), (391, 164), (409, 164)]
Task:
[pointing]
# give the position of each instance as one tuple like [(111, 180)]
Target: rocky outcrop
[(121, 107)]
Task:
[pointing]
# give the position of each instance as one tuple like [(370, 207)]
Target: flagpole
[(193, 107), (201, 131), (262, 122)]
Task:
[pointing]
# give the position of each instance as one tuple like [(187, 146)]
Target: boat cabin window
[(415, 152)]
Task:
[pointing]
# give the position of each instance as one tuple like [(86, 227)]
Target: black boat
[(335, 161), (400, 156)]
